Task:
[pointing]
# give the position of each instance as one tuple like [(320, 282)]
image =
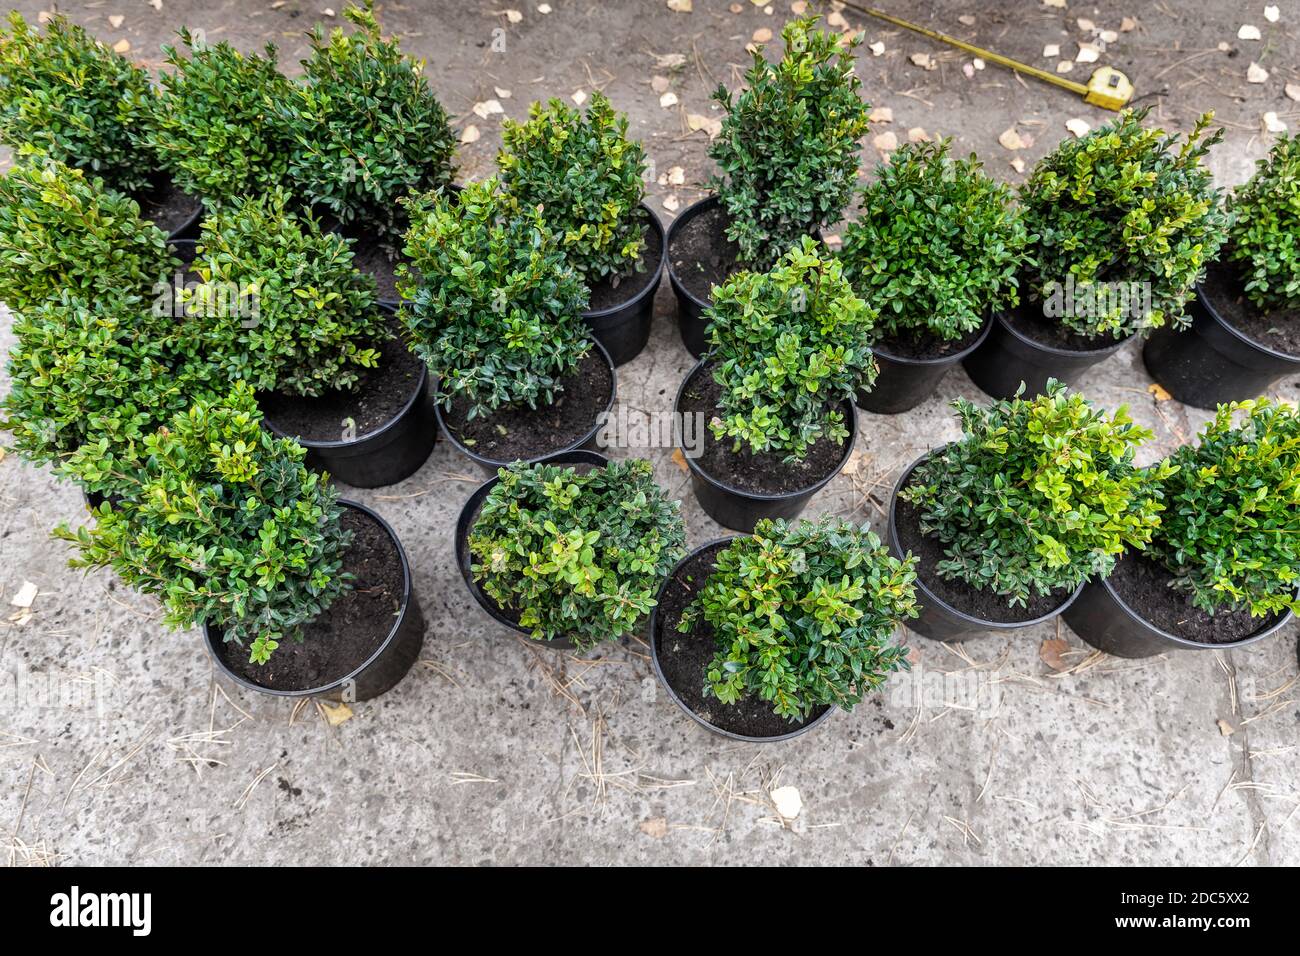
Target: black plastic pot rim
[(1182, 641), (352, 674), (690, 212), (1236, 333), (672, 693), (1052, 349), (932, 599), (463, 525), (323, 445), (575, 446), (652, 286), (952, 359), (696, 469)]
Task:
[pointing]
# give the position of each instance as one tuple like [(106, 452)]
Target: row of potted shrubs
[(196, 388)]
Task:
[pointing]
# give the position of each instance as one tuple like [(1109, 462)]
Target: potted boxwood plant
[(1223, 567), (1124, 219), (495, 310), (368, 132), (759, 638), (937, 246), (789, 349), (298, 593), (282, 307), (99, 373), (1245, 328), (73, 99), (589, 180), (787, 158), (61, 232), (1008, 522), (570, 551), (218, 126)]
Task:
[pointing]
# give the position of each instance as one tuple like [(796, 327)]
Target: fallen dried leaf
[(696, 122), (882, 114), (335, 714), (668, 100), (1059, 4), (678, 458), (1159, 391), (1065, 66), (1088, 53), (1052, 51), (1078, 127), (886, 142), (670, 61), (836, 20), (1226, 729), (672, 204), (1051, 653), (470, 134), (659, 83), (762, 35), (656, 827), (917, 135), (1249, 31), (1293, 90), (799, 8), (877, 48), (501, 92), (1127, 25), (1271, 13), (1108, 36), (514, 16), (488, 108), (1018, 164), (676, 175), (1011, 139), (543, 8), (1086, 25), (1272, 124), (115, 20), (966, 20), (579, 97), (923, 60), (122, 46), (679, 6)]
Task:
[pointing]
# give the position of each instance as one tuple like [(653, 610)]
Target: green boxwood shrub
[(280, 304), (98, 373), (224, 524), (369, 130), (803, 615), (492, 304), (67, 95), (218, 124), (1037, 495), (938, 244), (1231, 529), (787, 346), (1122, 205), (587, 176), (787, 153), (1264, 238), (61, 232), (576, 555)]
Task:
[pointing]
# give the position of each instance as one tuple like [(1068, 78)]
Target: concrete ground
[(118, 745)]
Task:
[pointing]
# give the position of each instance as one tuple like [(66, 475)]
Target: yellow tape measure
[(1108, 87)]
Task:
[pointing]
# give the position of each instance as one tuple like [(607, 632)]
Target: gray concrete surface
[(118, 745)]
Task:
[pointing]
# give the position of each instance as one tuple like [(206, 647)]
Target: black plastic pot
[(939, 620), (904, 383), (624, 329), (385, 456), (588, 441), (463, 525), (1102, 619), (384, 669), (672, 694), (740, 510), (1008, 357), (1211, 363), (191, 227)]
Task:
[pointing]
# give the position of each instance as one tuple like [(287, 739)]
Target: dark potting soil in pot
[(765, 473), (1029, 320), (380, 394), (167, 206), (921, 344), (985, 605), (1278, 330), (618, 290), (685, 658), (1144, 585), (702, 255), (378, 258), (513, 433), (348, 632)]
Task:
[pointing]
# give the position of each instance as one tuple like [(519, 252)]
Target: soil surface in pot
[(923, 344), (1144, 584), (380, 394), (348, 632), (701, 254), (984, 605), (613, 291), (378, 258), (513, 433), (1225, 291), (1029, 320), (685, 658), (764, 473), (167, 206)]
